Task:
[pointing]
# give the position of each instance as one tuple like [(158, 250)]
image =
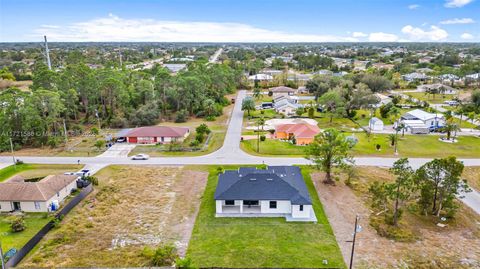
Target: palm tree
[(260, 122), (472, 116), (257, 94), (450, 127), (402, 127)]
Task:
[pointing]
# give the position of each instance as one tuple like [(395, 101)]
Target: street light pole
[(13, 157), (353, 242)]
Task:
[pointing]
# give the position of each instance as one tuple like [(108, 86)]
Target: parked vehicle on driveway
[(140, 156)]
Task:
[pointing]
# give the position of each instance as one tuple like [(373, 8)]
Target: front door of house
[(16, 206)]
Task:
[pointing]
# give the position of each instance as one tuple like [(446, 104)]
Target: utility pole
[(1, 255), (13, 157), (65, 132), (355, 231), (47, 53)]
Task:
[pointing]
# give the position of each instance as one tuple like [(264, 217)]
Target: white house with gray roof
[(278, 191)]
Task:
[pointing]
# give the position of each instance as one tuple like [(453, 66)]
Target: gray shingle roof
[(273, 183)]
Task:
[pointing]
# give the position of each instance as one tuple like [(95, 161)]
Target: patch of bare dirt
[(438, 247), (132, 208)]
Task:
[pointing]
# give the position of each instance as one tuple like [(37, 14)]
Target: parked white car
[(140, 156)]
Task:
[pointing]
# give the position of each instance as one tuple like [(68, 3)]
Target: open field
[(36, 170), (261, 242), (472, 175), (437, 99), (33, 221), (408, 146), (133, 207), (455, 246)]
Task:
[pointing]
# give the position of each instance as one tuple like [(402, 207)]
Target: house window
[(229, 202), (301, 207), (58, 194), (273, 204), (37, 205)]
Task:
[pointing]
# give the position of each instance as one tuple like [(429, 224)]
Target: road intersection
[(230, 153)]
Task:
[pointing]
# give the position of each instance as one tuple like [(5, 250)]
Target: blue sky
[(245, 20)]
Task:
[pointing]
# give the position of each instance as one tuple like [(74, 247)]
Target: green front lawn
[(437, 99), (37, 170), (261, 242), (33, 221), (409, 146)]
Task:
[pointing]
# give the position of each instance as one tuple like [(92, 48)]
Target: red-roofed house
[(303, 133), (157, 134)]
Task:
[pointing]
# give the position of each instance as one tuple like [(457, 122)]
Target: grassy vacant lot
[(472, 175), (430, 246), (261, 242), (408, 146), (36, 170), (33, 221), (437, 99), (131, 208)]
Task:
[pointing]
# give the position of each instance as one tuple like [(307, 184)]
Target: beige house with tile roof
[(18, 195)]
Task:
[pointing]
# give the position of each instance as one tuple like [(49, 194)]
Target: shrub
[(200, 137), (195, 143), (17, 223), (77, 129), (184, 263), (92, 180), (210, 118), (271, 131), (262, 138), (164, 255), (18, 162), (182, 116), (378, 146), (53, 141), (99, 144), (94, 131), (202, 129)]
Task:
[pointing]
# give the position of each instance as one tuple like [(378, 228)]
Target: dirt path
[(438, 248)]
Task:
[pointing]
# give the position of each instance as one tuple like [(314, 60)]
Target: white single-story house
[(18, 195), (286, 106), (282, 90), (278, 191), (260, 77), (418, 120), (375, 124), (383, 99)]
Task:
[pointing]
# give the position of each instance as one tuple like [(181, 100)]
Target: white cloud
[(457, 3), (458, 21), (418, 34), (359, 34), (413, 6), (114, 28), (382, 37), (467, 36)]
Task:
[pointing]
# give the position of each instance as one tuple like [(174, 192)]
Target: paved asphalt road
[(230, 153)]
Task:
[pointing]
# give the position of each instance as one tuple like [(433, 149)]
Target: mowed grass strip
[(261, 242), (36, 170), (427, 146)]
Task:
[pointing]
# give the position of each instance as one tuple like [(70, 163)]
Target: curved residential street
[(230, 153)]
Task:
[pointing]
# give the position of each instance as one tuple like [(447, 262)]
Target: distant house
[(156, 134), (285, 105), (18, 195), (304, 133), (323, 72), (175, 68), (375, 124), (282, 90), (260, 77), (420, 122), (442, 89), (415, 77), (383, 99), (278, 191)]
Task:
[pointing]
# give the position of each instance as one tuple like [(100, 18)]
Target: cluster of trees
[(313, 62), (433, 187), (341, 97), (111, 97)]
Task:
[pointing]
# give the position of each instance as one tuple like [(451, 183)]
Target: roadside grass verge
[(408, 146), (261, 242), (36, 170)]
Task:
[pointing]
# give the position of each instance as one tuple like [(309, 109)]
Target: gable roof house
[(278, 191), (156, 134), (285, 105), (304, 133), (282, 90), (421, 122), (16, 194)]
